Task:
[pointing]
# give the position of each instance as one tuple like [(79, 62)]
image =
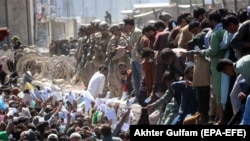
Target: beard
[(123, 73)]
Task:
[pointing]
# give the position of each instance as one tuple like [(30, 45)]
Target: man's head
[(230, 23), (242, 15), (168, 78), (115, 29), (103, 27), (181, 20), (214, 18), (122, 67), (226, 66), (199, 13), (204, 24), (95, 24), (149, 31), (106, 130), (129, 24), (52, 137), (194, 27), (167, 55), (188, 72), (160, 26), (103, 69), (75, 137)]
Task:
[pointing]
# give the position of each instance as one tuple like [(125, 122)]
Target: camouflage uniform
[(79, 49), (82, 51), (114, 58), (95, 23), (102, 39)]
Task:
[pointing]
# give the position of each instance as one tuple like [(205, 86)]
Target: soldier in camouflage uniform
[(102, 38), (84, 43), (91, 51), (116, 53), (78, 52), (89, 67), (101, 42)]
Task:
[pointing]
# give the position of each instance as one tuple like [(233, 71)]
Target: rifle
[(108, 60)]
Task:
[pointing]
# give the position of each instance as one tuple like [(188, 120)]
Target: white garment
[(96, 84), (234, 94)]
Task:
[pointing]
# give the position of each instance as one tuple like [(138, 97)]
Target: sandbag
[(201, 74)]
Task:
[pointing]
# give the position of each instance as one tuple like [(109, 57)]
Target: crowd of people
[(189, 71)]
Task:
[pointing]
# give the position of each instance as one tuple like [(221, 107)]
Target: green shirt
[(242, 66)]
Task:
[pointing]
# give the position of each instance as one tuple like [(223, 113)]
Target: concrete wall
[(18, 16), (57, 30), (3, 18), (71, 28)]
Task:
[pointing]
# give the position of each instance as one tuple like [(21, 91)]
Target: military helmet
[(122, 24), (103, 25), (82, 27), (96, 22), (115, 27), (89, 26), (165, 16), (15, 37)]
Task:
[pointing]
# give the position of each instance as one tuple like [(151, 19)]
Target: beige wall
[(19, 19), (71, 28), (57, 30)]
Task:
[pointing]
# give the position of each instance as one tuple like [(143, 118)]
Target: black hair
[(103, 68), (193, 24), (47, 133), (189, 18), (242, 15), (204, 24), (222, 63), (149, 27), (147, 52), (159, 24), (214, 16), (106, 130), (187, 69), (167, 53), (198, 11), (229, 19), (129, 21), (223, 11), (63, 137)]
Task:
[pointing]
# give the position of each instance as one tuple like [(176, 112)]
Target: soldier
[(116, 53), (16, 42), (86, 44), (101, 42), (95, 24), (94, 28), (82, 49), (108, 17), (78, 53)]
